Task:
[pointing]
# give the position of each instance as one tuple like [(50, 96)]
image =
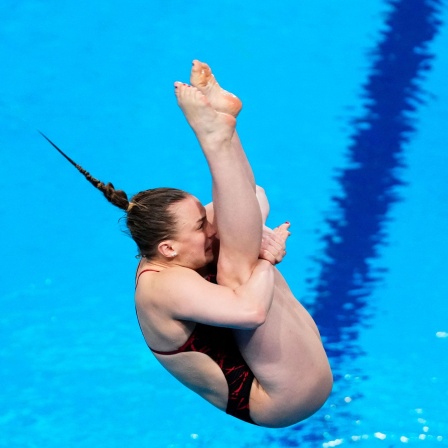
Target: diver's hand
[(273, 243)]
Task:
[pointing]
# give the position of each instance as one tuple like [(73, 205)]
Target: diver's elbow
[(256, 317)]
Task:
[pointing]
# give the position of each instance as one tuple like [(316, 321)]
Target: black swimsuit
[(219, 344)]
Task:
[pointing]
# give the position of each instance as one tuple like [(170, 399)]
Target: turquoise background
[(97, 78)]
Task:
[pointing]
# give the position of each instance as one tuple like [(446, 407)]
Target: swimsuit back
[(219, 344)]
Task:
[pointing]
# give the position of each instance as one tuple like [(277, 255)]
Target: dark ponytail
[(148, 216), (116, 197)]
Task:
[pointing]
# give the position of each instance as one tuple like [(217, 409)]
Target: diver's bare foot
[(202, 77), (212, 128)]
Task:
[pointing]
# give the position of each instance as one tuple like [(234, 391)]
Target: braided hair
[(148, 216)]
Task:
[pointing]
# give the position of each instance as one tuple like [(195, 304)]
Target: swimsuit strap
[(145, 270)]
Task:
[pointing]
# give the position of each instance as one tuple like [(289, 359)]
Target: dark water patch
[(371, 182), (369, 187)]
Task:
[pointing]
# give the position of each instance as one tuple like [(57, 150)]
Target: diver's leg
[(292, 373), (237, 212), (202, 77)]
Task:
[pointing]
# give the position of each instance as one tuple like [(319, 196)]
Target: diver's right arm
[(182, 294)]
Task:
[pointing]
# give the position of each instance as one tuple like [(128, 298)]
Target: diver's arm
[(182, 294)]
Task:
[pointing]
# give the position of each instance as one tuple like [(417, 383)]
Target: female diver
[(238, 338)]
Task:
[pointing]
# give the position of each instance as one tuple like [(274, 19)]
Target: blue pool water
[(346, 105)]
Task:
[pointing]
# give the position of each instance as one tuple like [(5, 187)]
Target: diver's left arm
[(273, 243)]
